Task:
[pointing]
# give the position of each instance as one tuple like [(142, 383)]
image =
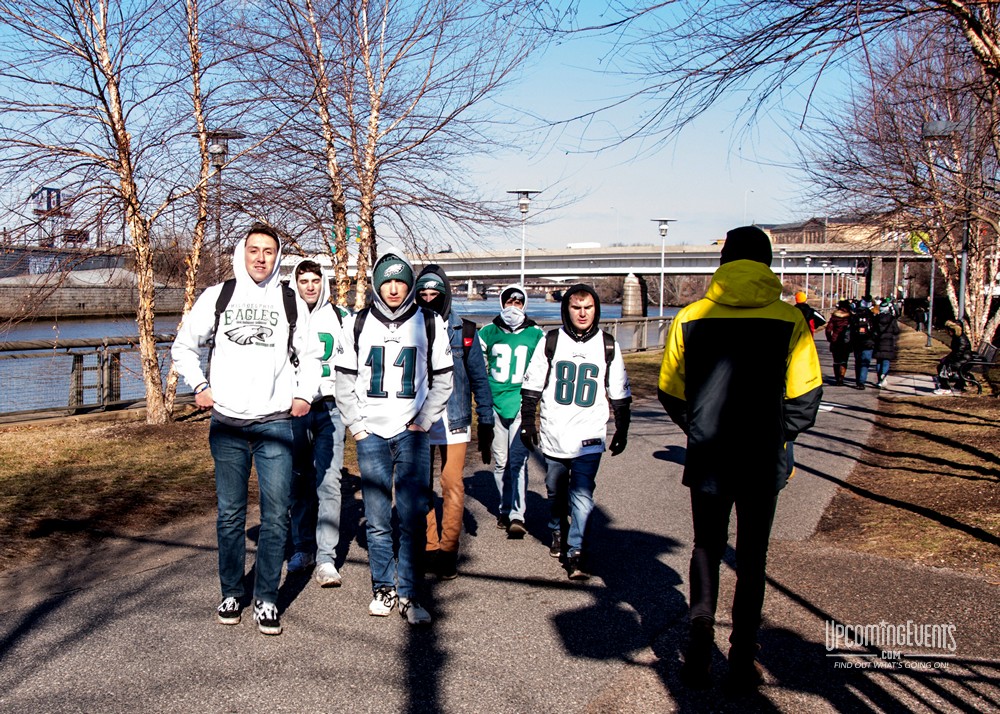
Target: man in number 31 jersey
[(508, 343)]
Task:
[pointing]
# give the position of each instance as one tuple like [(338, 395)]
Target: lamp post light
[(523, 202), (808, 261), (822, 295), (664, 226), (218, 152)]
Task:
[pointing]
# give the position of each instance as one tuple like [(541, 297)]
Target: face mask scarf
[(512, 316)]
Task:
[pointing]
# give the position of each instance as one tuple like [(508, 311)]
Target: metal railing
[(64, 377)]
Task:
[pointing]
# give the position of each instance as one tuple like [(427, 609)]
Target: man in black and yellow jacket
[(741, 377)]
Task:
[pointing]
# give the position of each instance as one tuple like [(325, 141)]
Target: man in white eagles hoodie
[(253, 391)]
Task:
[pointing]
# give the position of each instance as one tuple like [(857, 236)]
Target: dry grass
[(927, 487)]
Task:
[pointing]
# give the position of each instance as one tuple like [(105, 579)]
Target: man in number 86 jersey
[(394, 377), (508, 343), (576, 374)]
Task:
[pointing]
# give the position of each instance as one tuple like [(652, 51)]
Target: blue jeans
[(862, 361), (269, 447), (883, 368), (510, 466), (571, 482), (318, 459), (401, 463)]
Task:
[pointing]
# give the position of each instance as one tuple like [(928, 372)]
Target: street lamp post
[(945, 130), (822, 295), (664, 226), (781, 277), (808, 261), (523, 202), (218, 151)]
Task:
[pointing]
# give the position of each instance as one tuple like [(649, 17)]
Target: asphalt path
[(130, 626)]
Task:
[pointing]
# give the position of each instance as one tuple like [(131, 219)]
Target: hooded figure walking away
[(741, 408), (838, 334), (577, 375)]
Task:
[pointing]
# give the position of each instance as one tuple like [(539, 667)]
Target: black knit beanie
[(746, 243)]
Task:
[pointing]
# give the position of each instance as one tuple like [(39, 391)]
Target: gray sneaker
[(413, 612), (326, 576)]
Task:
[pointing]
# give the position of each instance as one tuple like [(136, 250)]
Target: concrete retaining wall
[(18, 302)]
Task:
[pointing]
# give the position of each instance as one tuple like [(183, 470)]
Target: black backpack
[(291, 314)]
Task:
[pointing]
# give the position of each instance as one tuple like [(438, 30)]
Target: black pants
[(754, 516)]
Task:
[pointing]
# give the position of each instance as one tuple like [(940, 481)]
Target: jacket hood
[(389, 251), (564, 309), (243, 278), (744, 283), (324, 285), (444, 302)]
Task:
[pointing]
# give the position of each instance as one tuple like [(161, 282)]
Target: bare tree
[(386, 100), (875, 156), (685, 56), (93, 102)]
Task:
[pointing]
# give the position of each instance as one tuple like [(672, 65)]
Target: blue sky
[(710, 178)]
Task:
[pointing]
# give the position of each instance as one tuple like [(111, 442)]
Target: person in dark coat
[(838, 334), (812, 317), (863, 330), (886, 335), (950, 366)]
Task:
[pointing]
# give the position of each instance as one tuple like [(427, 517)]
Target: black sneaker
[(697, 668), (574, 567), (229, 611), (447, 565), (555, 549), (516, 529), (745, 673), (503, 522), (265, 614)]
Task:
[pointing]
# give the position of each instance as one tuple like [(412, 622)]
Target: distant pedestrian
[(813, 318), (741, 377), (863, 331), (886, 332), (838, 334), (575, 376), (950, 366), (451, 434), (920, 317)]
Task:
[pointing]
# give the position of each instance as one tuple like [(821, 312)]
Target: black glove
[(484, 435), (623, 418), (618, 442), (529, 434)]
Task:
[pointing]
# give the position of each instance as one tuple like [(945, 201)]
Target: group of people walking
[(288, 374), (869, 330)]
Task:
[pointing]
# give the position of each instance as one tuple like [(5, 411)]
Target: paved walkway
[(130, 627)]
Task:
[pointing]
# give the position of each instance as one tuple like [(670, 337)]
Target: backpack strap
[(221, 303), (552, 337), (468, 338), (292, 315), (429, 329), (359, 325)]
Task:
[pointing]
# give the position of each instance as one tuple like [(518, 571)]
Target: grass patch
[(927, 485)]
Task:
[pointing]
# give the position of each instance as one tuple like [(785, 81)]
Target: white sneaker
[(327, 576), (265, 614), (413, 612), (383, 602), (943, 392), (882, 382), (300, 561)]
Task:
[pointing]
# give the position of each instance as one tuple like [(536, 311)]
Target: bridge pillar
[(634, 296)]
